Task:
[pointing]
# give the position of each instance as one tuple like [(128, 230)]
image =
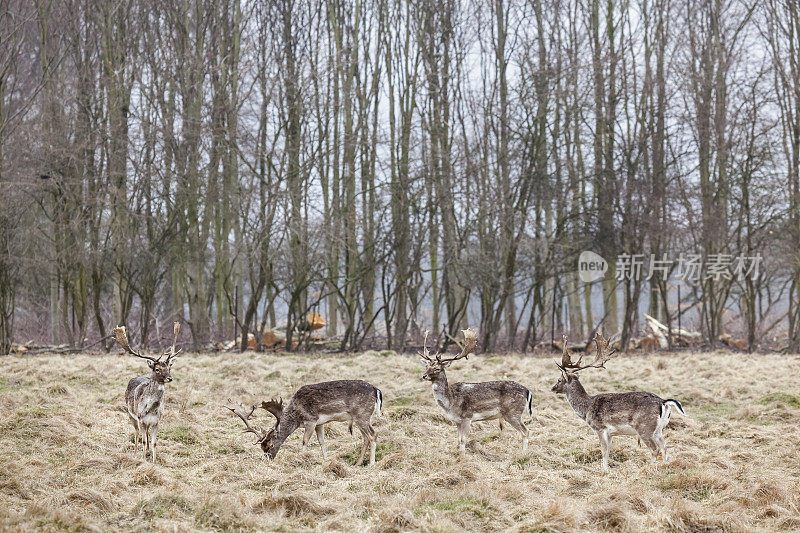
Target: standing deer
[(312, 406), (144, 396), (627, 413), (464, 403)]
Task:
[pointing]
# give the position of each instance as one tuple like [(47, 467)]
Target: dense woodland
[(394, 165)]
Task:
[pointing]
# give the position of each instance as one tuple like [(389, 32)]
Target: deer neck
[(286, 426), (578, 398), (155, 387), (441, 392)]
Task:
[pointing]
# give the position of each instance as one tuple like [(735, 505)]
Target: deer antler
[(603, 354), (425, 354), (121, 336), (274, 406), (470, 341), (237, 409), (176, 328)]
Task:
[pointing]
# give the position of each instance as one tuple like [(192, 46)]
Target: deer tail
[(378, 402), (676, 404), (529, 406)]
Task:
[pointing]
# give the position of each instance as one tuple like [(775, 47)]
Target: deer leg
[(321, 438), (154, 430), (658, 438), (309, 430), (145, 440), (650, 442), (464, 433), (605, 447), (364, 444), (135, 423), (519, 426), (373, 441)]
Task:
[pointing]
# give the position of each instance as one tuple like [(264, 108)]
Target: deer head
[(161, 369), (435, 365), (569, 370)]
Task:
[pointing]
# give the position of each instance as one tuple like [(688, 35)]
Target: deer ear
[(447, 364), (152, 365)]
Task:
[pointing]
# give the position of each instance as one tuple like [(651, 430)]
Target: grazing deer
[(627, 413), (144, 396), (464, 403), (312, 406)]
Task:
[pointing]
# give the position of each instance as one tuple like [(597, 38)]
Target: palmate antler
[(603, 354), (172, 354), (121, 336), (239, 410), (274, 406), (470, 341)]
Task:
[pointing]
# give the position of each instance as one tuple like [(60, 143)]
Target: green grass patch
[(493, 360), (180, 433), (466, 504), (792, 400), (490, 437), (163, 507), (583, 457), (401, 401), (690, 484), (521, 462), (618, 385), (382, 449), (275, 374), (402, 413), (715, 410)]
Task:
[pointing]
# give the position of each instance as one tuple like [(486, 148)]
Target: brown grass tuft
[(147, 474), (84, 497), (609, 516), (337, 468), (294, 505), (396, 519)]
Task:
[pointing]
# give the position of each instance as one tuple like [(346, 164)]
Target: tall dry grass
[(68, 460)]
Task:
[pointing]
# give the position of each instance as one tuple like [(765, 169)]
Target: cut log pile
[(275, 339), (680, 337)]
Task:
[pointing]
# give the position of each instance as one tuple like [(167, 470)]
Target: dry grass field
[(68, 461)]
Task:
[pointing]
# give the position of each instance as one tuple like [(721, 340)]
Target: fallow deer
[(464, 403), (642, 414), (312, 406), (144, 396)]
